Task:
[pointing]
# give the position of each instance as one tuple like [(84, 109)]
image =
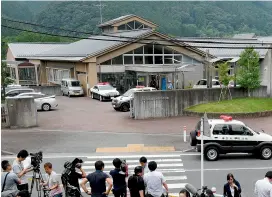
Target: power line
[(132, 40), (126, 37)]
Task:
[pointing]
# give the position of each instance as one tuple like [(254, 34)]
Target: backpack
[(124, 168)]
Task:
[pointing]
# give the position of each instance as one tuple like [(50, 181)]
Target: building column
[(36, 75), (17, 74)]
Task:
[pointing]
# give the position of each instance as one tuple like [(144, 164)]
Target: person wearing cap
[(263, 187), (136, 183), (154, 181)]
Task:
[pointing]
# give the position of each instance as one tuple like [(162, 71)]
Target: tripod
[(37, 179)]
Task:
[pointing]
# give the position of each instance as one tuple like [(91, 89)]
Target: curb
[(234, 115)]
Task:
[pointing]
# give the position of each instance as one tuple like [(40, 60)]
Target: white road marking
[(134, 161), (133, 166), (133, 156), (228, 169)]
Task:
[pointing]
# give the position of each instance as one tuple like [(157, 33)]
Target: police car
[(231, 136), (103, 91)]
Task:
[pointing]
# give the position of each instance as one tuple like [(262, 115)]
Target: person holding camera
[(74, 176), (20, 171), (52, 183), (119, 179), (97, 181), (9, 180)]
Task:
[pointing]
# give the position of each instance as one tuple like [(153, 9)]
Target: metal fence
[(4, 116)]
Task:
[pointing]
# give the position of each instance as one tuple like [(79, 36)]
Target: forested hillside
[(217, 19), (176, 18)]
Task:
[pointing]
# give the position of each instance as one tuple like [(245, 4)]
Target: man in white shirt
[(154, 181), (263, 187)]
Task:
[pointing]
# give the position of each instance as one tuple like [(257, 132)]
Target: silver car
[(122, 103)]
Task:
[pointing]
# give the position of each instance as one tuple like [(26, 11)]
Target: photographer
[(119, 179), (9, 180), (52, 183), (74, 176), (19, 170)]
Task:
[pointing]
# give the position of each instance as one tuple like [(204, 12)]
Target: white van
[(71, 87)]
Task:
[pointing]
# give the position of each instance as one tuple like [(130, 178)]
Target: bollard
[(184, 133)]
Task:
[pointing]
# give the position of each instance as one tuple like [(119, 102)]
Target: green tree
[(5, 79), (224, 78), (248, 75)]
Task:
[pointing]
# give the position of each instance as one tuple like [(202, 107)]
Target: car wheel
[(101, 98), (46, 107), (211, 153), (266, 152), (62, 93), (193, 140), (125, 107)]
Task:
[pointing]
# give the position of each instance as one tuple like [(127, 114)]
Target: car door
[(95, 92), (220, 135), (243, 139)]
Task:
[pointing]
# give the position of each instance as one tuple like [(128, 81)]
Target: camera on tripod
[(36, 160)]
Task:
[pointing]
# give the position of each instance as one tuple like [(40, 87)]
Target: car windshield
[(129, 93), (202, 82), (75, 83), (106, 87)]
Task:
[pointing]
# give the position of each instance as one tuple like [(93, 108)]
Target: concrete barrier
[(158, 104), (50, 90), (22, 112)]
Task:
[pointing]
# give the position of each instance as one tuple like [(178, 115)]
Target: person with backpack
[(9, 180), (119, 179), (136, 183)]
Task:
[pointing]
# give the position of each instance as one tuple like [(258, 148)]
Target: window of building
[(148, 49), (168, 59), (122, 27), (55, 75), (131, 25), (158, 49), (139, 50), (128, 59), (148, 59), (138, 59), (117, 60), (138, 25), (158, 59), (177, 59), (108, 62)]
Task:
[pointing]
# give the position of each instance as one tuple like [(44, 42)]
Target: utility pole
[(100, 5)]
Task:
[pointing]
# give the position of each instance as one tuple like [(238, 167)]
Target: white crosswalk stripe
[(170, 165)]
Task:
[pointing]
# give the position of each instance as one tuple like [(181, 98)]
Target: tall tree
[(224, 78), (5, 79), (248, 75)]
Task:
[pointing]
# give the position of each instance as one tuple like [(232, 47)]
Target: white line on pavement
[(133, 156), (228, 169), (133, 166), (134, 161)]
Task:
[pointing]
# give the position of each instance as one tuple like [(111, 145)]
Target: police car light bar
[(226, 118), (139, 86), (103, 83)]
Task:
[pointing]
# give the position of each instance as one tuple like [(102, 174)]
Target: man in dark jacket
[(136, 183), (119, 179)]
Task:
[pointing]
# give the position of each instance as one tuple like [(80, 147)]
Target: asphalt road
[(83, 142), (246, 169)]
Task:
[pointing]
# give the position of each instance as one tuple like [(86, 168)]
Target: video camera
[(36, 160), (69, 167)]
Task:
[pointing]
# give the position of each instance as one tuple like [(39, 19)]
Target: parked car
[(16, 91), (71, 87), (43, 102), (203, 84), (122, 103), (103, 91)]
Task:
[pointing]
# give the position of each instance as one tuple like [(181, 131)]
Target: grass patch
[(243, 105)]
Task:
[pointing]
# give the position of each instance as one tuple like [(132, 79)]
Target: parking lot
[(86, 114)]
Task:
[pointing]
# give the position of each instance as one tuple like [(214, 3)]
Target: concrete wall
[(22, 112), (158, 104), (50, 90)]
